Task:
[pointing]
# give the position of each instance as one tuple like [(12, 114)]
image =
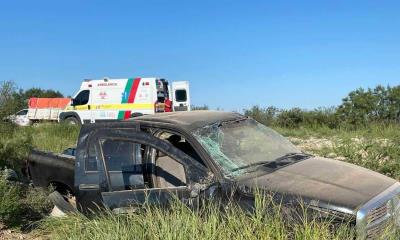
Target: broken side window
[(123, 162), (182, 144), (168, 172)]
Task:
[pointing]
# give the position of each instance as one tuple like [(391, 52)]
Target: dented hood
[(325, 180)]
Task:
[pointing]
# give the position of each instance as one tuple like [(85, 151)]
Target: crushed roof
[(192, 119)]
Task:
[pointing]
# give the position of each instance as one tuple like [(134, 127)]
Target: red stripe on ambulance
[(127, 114), (133, 91), (132, 96)]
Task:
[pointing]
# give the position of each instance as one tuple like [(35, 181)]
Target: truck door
[(89, 171), (131, 177), (180, 96)]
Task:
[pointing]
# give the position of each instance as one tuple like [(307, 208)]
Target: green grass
[(376, 147), (180, 222), (21, 204), (53, 137), (388, 131)]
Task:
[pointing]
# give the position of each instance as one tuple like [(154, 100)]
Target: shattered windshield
[(238, 145)]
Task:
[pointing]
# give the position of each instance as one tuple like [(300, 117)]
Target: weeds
[(14, 146), (181, 222), (10, 206), (376, 147), (21, 204)]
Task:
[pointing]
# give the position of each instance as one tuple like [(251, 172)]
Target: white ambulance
[(111, 99)]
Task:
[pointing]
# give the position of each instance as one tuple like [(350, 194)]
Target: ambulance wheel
[(72, 121)]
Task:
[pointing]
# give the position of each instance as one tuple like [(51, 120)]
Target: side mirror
[(73, 102)]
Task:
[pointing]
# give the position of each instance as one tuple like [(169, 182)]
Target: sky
[(235, 54)]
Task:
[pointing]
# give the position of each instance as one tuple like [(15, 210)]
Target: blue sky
[(234, 53)]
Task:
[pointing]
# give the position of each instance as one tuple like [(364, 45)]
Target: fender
[(65, 115)]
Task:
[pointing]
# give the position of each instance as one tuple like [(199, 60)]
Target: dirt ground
[(10, 234)]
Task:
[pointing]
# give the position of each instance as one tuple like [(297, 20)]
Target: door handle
[(88, 107), (89, 186)]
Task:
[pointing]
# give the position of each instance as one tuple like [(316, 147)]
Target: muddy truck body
[(212, 155)]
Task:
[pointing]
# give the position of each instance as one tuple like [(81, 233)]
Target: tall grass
[(212, 221), (14, 146), (21, 204), (376, 147), (53, 137)]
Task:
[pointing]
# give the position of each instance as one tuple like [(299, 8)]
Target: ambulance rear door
[(180, 96)]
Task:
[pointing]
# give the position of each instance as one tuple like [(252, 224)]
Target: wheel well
[(62, 188), (136, 114)]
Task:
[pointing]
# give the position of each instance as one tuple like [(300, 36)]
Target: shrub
[(10, 206), (291, 118), (265, 116)]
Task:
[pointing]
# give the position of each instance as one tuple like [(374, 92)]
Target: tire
[(72, 121), (34, 123), (61, 205)]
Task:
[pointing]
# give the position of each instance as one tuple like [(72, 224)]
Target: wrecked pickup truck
[(207, 154)]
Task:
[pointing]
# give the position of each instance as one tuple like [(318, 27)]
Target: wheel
[(62, 205), (34, 123), (72, 121)]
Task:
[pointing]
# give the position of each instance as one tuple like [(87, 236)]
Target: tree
[(7, 100), (22, 96), (13, 99), (381, 104), (393, 102)]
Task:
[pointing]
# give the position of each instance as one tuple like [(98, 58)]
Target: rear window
[(180, 95)]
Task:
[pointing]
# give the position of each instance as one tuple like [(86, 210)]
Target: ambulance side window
[(82, 98)]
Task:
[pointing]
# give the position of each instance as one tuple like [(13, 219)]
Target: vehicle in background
[(20, 118), (46, 109), (113, 99)]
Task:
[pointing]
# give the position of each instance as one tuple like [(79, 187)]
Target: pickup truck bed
[(43, 166)]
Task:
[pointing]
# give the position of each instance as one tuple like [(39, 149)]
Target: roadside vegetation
[(180, 222), (352, 132)]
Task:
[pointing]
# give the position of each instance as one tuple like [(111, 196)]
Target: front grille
[(377, 222), (376, 216)]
